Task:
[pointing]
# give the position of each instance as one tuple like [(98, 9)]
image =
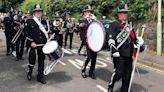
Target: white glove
[(111, 41), (140, 41), (116, 54)]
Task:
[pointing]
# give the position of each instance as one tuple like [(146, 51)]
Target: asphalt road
[(66, 76)]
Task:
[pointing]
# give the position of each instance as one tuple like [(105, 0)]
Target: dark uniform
[(9, 32), (69, 26), (46, 23), (37, 36), (21, 40), (123, 61), (27, 17), (56, 28), (82, 32), (122, 64), (91, 56)]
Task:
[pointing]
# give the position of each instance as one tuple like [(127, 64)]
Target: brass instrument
[(57, 23), (18, 34)]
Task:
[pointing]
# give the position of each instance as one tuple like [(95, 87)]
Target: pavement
[(66, 75)]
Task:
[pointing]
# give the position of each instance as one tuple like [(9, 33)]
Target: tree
[(5, 5)]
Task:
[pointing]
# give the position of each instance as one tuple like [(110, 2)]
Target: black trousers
[(59, 38), (91, 56), (83, 43), (20, 47), (33, 53), (9, 37), (122, 69), (71, 38)]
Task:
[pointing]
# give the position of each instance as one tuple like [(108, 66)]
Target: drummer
[(87, 18), (38, 37)]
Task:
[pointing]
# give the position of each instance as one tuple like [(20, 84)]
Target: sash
[(132, 34), (122, 36), (41, 27)]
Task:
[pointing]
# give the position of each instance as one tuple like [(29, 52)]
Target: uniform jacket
[(127, 48), (34, 33)]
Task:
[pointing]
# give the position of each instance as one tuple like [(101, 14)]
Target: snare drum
[(53, 50), (96, 36)]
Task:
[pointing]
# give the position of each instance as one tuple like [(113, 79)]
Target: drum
[(95, 36), (53, 50)]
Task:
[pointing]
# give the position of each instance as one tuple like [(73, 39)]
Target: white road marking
[(62, 63), (101, 88), (66, 51), (106, 60), (74, 51), (100, 64), (76, 64)]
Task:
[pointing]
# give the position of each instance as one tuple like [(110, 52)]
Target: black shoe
[(110, 88), (83, 74), (70, 48), (16, 59), (29, 75), (92, 76), (41, 81), (21, 58)]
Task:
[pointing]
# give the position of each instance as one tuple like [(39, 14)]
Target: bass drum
[(96, 36)]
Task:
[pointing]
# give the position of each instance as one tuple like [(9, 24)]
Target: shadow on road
[(142, 71), (134, 87), (58, 77), (103, 74)]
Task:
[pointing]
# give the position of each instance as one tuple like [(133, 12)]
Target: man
[(121, 41), (38, 36), (69, 27), (9, 31), (46, 23), (91, 56), (82, 35), (21, 39), (57, 29), (27, 17)]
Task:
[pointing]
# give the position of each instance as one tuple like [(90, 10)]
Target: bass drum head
[(50, 47), (95, 36)]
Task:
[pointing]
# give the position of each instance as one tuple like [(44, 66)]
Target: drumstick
[(39, 45), (51, 37), (135, 61)]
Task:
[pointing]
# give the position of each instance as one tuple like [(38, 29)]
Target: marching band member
[(69, 28), (46, 23), (38, 36), (57, 29), (21, 39), (9, 31), (27, 17), (91, 56), (121, 42)]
